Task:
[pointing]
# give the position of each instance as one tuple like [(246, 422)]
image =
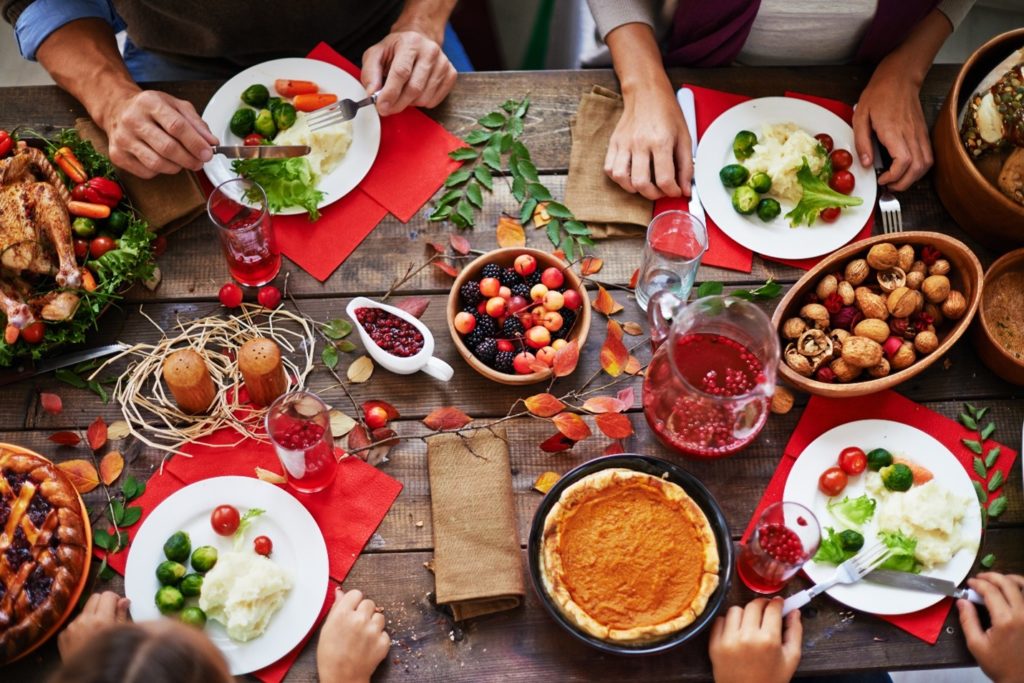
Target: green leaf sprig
[(984, 461), (120, 515), (766, 292), (336, 331)]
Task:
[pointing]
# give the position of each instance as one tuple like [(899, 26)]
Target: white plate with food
[(785, 130), (941, 515), (289, 585), (342, 154)]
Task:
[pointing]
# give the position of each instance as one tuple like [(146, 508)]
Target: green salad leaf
[(287, 182), (852, 512), (836, 547), (902, 558), (817, 197)]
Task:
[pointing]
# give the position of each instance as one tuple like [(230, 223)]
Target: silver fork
[(851, 571), (892, 216), (343, 110)]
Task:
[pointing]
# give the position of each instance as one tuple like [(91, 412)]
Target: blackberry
[(469, 309), (486, 325), (533, 278), (513, 327), (486, 350), (568, 319), (503, 361), (473, 338), (491, 270), (471, 293), (521, 289), (510, 277)]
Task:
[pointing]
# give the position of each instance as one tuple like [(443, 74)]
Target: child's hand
[(749, 645), (993, 648), (353, 641), (101, 610)]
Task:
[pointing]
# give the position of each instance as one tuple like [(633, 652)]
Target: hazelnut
[(782, 400), (883, 256), (872, 328), (940, 267), (902, 302), (918, 267), (856, 271), (815, 314), (793, 328), (845, 372), (904, 356), (954, 306), (881, 370), (914, 279), (891, 279), (861, 352), (800, 364), (827, 285), (934, 312), (870, 304), (838, 336), (906, 257), (925, 342), (814, 343), (846, 293), (935, 288)]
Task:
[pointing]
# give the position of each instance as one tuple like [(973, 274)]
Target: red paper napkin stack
[(822, 414), (722, 250)]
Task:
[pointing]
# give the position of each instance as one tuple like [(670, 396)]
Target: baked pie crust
[(627, 557)]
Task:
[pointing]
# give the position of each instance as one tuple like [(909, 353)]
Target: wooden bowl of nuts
[(876, 313)]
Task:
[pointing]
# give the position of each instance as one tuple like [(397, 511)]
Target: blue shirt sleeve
[(43, 17)]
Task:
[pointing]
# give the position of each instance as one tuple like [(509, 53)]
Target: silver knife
[(48, 365), (261, 151), (685, 97), (926, 584)]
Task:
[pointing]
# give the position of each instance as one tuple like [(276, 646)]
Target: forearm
[(637, 60), (428, 17), (913, 58)]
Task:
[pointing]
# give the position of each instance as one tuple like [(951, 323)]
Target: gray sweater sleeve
[(955, 10), (610, 14)]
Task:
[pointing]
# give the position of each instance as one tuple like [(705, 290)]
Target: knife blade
[(686, 103), (261, 151), (51, 364), (927, 584)]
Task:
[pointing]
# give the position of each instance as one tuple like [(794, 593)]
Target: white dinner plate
[(299, 549), (900, 440), (365, 126), (776, 238)]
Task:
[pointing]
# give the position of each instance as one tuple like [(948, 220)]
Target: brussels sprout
[(118, 222), (169, 599), (193, 616), (897, 477), (169, 573), (204, 558), (284, 116), (768, 209), (273, 103), (879, 458), (264, 124), (83, 227), (744, 200), (256, 95), (743, 144), (851, 541), (178, 547), (733, 175), (761, 182), (191, 586), (242, 122)]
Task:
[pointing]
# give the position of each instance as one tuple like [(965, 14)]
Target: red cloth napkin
[(722, 251), (822, 414)]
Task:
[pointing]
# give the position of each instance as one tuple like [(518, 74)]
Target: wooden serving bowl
[(975, 203), (992, 353), (505, 258), (964, 276)]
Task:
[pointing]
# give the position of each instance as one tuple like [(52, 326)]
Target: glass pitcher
[(708, 387)]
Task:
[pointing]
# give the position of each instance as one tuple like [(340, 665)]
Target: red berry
[(506, 345), (269, 296), (376, 417), (263, 545), (230, 295)]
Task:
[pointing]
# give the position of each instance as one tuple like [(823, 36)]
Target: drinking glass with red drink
[(238, 208), (300, 429), (785, 537)]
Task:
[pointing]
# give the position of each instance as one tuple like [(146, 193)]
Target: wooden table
[(525, 644)]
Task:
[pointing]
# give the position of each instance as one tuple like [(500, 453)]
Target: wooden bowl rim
[(1001, 265)]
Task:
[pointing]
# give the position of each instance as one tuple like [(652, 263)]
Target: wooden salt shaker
[(259, 360), (189, 380)]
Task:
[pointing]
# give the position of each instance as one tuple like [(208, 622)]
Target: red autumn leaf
[(614, 448), (97, 434), (557, 444), (614, 425), (436, 246), (386, 439), (560, 255), (634, 279), (510, 233), (627, 396), (544, 405), (358, 440), (591, 265), (82, 474), (566, 359), (111, 467), (604, 404), (447, 418), (604, 303), (633, 367), (414, 305), (446, 268), (65, 438), (633, 329), (388, 408), (51, 403), (614, 355), (538, 366), (459, 243), (572, 426)]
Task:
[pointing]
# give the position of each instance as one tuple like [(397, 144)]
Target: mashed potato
[(780, 152), (242, 591), (327, 147)]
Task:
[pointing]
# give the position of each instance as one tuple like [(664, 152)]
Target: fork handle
[(798, 600)]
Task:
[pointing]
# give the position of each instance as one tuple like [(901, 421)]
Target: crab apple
[(547, 355), (552, 278), (465, 322), (525, 264), (481, 307), (522, 362), (505, 293), (490, 286), (376, 417), (537, 337), (538, 312), (572, 299), (496, 306), (552, 321), (516, 304), (527, 320), (559, 344), (538, 292), (506, 345), (554, 301)]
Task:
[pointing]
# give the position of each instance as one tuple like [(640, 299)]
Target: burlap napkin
[(167, 202), (477, 567), (590, 194)]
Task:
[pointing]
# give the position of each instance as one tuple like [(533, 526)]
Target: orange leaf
[(571, 426), (604, 404), (388, 408), (614, 448), (111, 467), (591, 265), (560, 255), (566, 359), (269, 476), (446, 268), (459, 243), (447, 418), (627, 396), (414, 305), (634, 279), (557, 444), (65, 438), (614, 355), (614, 425), (51, 403), (541, 217), (604, 303), (545, 481), (632, 329), (538, 366), (81, 473), (544, 405), (97, 434), (633, 367), (510, 233)]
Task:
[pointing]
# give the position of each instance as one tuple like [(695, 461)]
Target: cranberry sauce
[(781, 543), (391, 333), (298, 435)]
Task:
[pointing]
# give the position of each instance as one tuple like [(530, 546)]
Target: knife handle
[(970, 595)]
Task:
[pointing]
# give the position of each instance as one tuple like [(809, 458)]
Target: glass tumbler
[(676, 241), (300, 429), (785, 537), (238, 208)]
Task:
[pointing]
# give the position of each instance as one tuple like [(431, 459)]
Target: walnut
[(954, 306), (856, 271), (827, 285), (872, 328), (935, 313), (814, 343), (914, 279), (919, 267), (870, 304), (940, 267), (793, 328), (881, 370), (906, 257), (800, 364), (845, 372), (883, 256), (846, 293), (904, 356), (891, 279), (935, 288), (925, 342), (861, 351), (838, 336), (782, 400), (902, 302), (815, 314)]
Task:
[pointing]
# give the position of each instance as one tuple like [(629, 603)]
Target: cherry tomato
[(263, 546), (269, 296), (253, 140), (832, 481), (826, 141), (841, 160), (34, 333), (831, 214), (81, 248), (230, 295), (842, 181), (224, 520), (100, 246), (852, 460)]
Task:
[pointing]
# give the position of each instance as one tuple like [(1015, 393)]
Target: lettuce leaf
[(902, 558), (852, 513), (287, 182), (831, 549), (817, 197)]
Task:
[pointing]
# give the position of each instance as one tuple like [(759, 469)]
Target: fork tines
[(869, 559), (326, 116)]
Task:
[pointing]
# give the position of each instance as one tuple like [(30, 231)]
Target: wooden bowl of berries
[(512, 309), (876, 313)]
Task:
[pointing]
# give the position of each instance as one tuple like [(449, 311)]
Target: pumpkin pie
[(627, 557)]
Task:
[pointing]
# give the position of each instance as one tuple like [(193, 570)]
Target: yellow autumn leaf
[(510, 233), (545, 481), (541, 217), (360, 370), (118, 429), (269, 477)]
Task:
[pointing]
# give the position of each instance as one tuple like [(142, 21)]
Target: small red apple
[(537, 337), (538, 292), (547, 356), (552, 278), (522, 362), (525, 264), (505, 293), (496, 307), (516, 304), (490, 286), (506, 345), (553, 300), (553, 321), (465, 322), (376, 417), (572, 299)]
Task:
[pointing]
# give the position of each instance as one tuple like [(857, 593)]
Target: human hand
[(151, 132), (101, 610), (748, 644), (353, 640), (651, 132), (993, 647), (409, 69)]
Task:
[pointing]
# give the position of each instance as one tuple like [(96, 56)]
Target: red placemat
[(822, 414), (723, 251)]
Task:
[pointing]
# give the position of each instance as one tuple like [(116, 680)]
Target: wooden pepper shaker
[(259, 361), (189, 380)]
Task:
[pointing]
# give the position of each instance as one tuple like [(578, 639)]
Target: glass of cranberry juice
[(299, 426), (238, 208), (785, 537)]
